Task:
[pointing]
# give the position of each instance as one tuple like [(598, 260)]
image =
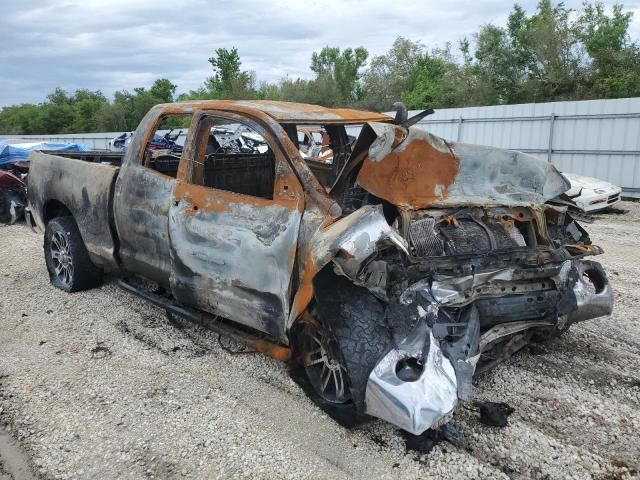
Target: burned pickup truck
[(386, 278)]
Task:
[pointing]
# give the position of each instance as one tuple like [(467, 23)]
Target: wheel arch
[(69, 254), (54, 209)]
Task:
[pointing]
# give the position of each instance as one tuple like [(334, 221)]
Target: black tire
[(344, 413), (353, 318), (70, 268)]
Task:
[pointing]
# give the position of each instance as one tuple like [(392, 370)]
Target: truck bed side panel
[(86, 190)]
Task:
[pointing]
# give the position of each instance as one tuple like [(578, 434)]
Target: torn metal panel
[(536, 291), (424, 171), (415, 174), (349, 241), (592, 290), (462, 290), (504, 330), (421, 403)]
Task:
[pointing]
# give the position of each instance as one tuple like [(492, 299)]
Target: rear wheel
[(70, 268)]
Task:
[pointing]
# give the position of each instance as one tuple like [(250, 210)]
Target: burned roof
[(290, 112)]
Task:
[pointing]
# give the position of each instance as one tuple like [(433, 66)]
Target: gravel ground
[(157, 401)]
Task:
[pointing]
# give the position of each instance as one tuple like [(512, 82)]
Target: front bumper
[(594, 202), (444, 366)]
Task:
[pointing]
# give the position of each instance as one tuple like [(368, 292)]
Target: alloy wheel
[(61, 256), (324, 368)]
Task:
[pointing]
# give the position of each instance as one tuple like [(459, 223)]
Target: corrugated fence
[(597, 138)]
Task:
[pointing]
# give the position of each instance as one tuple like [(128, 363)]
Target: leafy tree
[(127, 109), (163, 89), (228, 80), (269, 91), (437, 82), (298, 90), (19, 119), (342, 68), (614, 70), (558, 58), (86, 105), (392, 75)]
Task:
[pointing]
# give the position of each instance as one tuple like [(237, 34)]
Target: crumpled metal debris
[(426, 402)]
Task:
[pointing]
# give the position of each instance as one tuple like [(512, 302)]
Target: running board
[(272, 349)]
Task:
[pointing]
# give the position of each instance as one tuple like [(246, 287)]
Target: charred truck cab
[(386, 276)]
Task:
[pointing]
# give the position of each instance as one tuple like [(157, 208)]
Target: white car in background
[(592, 194)]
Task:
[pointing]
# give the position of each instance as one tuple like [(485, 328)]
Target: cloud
[(122, 44)]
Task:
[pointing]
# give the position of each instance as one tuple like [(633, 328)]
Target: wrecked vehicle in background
[(589, 195), (14, 167), (13, 196), (121, 142), (386, 279), (314, 144)]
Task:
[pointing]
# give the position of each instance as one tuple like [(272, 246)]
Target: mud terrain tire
[(70, 268), (356, 319)]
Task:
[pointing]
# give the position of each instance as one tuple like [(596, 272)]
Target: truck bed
[(93, 156), (80, 184)]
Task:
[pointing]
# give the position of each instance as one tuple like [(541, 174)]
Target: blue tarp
[(19, 152)]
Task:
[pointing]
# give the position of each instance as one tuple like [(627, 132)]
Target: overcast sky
[(122, 44)]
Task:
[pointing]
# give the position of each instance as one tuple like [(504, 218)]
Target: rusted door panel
[(233, 255), (142, 202)]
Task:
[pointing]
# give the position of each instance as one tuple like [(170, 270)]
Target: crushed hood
[(415, 169)]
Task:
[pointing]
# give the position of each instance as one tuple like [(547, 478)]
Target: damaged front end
[(468, 267)]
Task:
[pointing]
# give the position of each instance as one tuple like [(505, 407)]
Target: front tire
[(314, 342), (338, 347), (70, 268)]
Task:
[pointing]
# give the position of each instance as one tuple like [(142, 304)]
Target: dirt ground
[(156, 401)]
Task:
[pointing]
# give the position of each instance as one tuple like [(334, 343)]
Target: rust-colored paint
[(271, 349), (296, 183), (261, 345), (283, 112), (305, 289), (450, 220), (213, 200), (414, 176)]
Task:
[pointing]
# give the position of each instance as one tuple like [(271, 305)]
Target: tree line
[(554, 53)]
